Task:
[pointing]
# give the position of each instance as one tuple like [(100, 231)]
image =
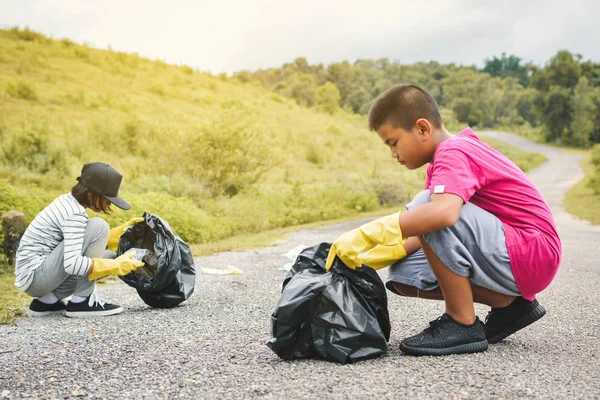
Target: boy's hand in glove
[(381, 240)]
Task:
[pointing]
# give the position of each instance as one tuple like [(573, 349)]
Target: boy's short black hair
[(402, 105)]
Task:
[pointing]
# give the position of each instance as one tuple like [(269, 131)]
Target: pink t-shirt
[(465, 166)]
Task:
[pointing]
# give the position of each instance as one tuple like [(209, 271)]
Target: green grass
[(12, 301), (581, 200)]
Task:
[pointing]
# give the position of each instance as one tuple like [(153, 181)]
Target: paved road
[(213, 345)]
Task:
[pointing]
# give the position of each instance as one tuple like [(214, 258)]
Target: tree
[(555, 83), (302, 64), (506, 67), (595, 135), (473, 97), (584, 109), (328, 98), (525, 106), (556, 111), (562, 70), (358, 99), (508, 93), (344, 76), (592, 72), (300, 87)]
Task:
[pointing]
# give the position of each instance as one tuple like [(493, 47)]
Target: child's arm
[(411, 245), (441, 212)]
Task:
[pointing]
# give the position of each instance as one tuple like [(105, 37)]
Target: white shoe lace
[(95, 299)]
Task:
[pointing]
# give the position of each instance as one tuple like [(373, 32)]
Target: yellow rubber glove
[(120, 266), (115, 233), (383, 256), (384, 231)]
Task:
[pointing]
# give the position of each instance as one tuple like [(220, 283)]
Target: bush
[(277, 98), (594, 182), (187, 70), (313, 154), (596, 156), (28, 35), (360, 200), (328, 98), (333, 129), (389, 193), (229, 154), (305, 204), (21, 90), (32, 150), (157, 89), (188, 221)]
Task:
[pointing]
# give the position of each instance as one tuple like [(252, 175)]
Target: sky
[(232, 35)]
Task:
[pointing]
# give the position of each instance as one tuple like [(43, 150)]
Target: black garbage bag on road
[(169, 276), (338, 315)]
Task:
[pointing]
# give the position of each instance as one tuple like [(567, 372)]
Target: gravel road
[(213, 345)]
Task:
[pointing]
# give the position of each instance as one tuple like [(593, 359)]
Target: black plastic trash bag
[(339, 315), (169, 275)]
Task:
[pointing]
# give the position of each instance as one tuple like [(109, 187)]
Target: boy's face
[(409, 148)]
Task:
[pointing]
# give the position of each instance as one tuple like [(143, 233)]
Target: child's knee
[(404, 290), (97, 228)]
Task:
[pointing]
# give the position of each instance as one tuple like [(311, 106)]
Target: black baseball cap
[(105, 180)]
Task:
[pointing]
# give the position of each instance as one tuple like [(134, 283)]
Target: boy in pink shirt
[(480, 232)]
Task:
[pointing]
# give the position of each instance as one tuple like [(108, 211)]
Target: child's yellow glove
[(115, 233), (381, 240), (382, 256), (120, 266)]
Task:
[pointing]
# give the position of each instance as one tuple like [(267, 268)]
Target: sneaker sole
[(44, 313), (476, 347), (519, 324), (89, 314)]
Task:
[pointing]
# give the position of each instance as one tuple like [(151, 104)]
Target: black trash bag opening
[(338, 315), (172, 278)]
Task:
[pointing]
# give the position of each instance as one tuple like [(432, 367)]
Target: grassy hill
[(212, 156)]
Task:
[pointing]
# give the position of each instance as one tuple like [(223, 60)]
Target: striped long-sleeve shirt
[(64, 220)]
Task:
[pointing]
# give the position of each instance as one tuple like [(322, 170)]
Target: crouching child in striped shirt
[(63, 252)]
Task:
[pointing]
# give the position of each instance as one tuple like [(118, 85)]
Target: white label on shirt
[(439, 189)]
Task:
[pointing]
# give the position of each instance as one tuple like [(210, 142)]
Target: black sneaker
[(446, 336), (92, 307), (502, 322), (39, 309)]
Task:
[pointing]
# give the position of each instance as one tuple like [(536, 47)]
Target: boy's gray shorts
[(474, 247)]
